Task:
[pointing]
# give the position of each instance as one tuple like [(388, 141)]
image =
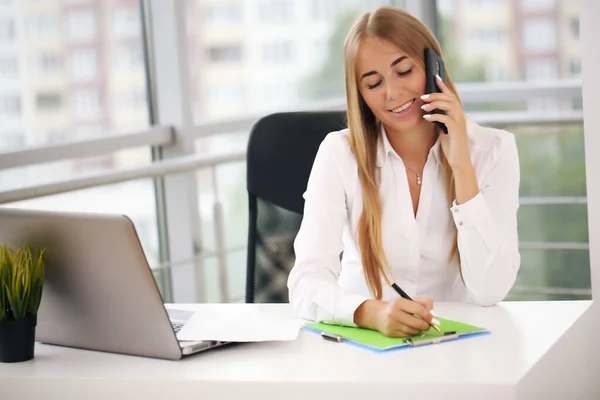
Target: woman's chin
[(404, 124)]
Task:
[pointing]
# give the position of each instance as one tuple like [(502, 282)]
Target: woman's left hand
[(455, 144)]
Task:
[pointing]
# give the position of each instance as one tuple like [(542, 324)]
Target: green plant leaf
[(22, 274), (3, 278)]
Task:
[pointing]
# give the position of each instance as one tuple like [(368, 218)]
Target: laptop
[(99, 293)]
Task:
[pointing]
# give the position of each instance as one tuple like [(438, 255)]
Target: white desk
[(494, 366)]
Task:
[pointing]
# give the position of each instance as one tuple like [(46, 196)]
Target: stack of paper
[(227, 323)]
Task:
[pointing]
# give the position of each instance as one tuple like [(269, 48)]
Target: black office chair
[(280, 155)]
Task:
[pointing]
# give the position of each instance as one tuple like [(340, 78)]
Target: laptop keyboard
[(176, 326)]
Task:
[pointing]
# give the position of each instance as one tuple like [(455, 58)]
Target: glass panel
[(247, 57), (553, 275), (496, 40), (72, 71), (257, 57), (552, 160), (231, 189), (236, 267), (211, 273), (552, 164), (86, 80), (531, 40), (553, 223)]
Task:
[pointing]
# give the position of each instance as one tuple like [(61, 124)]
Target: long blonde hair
[(409, 34)]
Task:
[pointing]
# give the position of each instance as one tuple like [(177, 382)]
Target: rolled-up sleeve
[(488, 241), (313, 282)]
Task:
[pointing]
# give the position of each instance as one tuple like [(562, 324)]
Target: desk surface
[(522, 332)]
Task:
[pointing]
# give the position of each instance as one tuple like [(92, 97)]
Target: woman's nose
[(392, 92)]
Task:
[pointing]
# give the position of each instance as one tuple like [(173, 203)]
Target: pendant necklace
[(418, 175)]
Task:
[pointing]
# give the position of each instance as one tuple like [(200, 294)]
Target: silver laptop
[(99, 292)]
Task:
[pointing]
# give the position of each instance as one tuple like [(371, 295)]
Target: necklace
[(418, 175)]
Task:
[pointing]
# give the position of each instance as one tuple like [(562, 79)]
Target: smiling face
[(391, 84)]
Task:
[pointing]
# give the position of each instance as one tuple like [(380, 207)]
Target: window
[(485, 3), (319, 49), (272, 91), (86, 103), (551, 155), (10, 141), (305, 36), (126, 22), (48, 63), (88, 131), (496, 72), (96, 163), (7, 30), (544, 69), (575, 67), (42, 25), (539, 34), (229, 53), (9, 67), (223, 14), (537, 5), (57, 109), (274, 11), (484, 38), (277, 53), (81, 25), (10, 105), (541, 69), (281, 54), (129, 56), (227, 95), (574, 26), (54, 137), (322, 10), (132, 99), (48, 101), (83, 64)]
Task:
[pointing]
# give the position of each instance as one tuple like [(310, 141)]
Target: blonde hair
[(409, 34)]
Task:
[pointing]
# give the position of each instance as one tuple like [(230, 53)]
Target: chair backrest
[(280, 155)]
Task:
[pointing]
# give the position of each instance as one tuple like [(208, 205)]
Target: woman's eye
[(373, 86), (402, 73)]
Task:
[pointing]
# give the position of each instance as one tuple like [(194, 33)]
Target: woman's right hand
[(396, 318)]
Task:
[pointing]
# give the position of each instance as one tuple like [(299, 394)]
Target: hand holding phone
[(434, 65)]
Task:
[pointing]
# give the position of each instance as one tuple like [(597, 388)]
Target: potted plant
[(21, 282)]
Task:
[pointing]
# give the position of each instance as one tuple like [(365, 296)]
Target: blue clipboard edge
[(398, 347)]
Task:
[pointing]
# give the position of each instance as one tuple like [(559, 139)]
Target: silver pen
[(332, 337), (438, 339)]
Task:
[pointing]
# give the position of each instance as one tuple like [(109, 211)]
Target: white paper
[(239, 323)]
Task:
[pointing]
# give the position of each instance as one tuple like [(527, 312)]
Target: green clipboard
[(378, 342)]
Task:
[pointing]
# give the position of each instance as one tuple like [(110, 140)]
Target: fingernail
[(425, 96), (435, 321), (426, 116), (437, 76), (424, 106), (432, 313)]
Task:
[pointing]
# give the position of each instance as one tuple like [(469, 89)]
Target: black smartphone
[(434, 65)]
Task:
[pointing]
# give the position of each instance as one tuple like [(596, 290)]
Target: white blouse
[(417, 248)]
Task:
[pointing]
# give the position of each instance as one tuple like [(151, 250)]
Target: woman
[(436, 213)]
